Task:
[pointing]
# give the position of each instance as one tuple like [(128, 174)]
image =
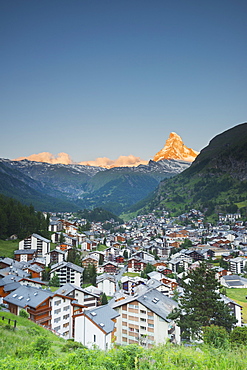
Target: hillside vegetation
[(32, 347), (19, 219)]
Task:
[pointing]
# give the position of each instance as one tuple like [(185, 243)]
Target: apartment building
[(143, 319)]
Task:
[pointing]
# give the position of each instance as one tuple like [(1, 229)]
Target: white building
[(96, 327), (61, 315), (68, 272), (37, 242), (143, 319)]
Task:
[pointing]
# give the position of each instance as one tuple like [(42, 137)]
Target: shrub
[(24, 313), (215, 336), (239, 335), (72, 346), (41, 345)]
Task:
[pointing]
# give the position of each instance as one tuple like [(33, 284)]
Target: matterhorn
[(175, 149)]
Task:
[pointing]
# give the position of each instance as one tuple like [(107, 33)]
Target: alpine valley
[(60, 187)]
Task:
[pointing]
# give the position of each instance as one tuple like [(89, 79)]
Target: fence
[(9, 321)]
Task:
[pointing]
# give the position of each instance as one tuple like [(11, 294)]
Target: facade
[(37, 242), (35, 301), (68, 272), (62, 312), (107, 284), (96, 327), (143, 319)]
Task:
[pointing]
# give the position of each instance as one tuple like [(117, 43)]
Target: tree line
[(21, 220)]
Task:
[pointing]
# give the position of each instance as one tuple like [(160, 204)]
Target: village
[(138, 266)]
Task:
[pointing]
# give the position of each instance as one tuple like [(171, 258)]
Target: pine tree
[(104, 299), (201, 304), (55, 281)]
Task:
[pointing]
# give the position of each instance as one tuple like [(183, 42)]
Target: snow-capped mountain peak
[(175, 149)]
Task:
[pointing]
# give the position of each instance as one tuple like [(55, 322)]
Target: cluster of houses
[(139, 306)]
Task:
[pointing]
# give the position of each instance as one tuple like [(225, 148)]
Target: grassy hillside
[(31, 347), (7, 248)]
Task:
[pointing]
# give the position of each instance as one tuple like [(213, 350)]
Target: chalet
[(136, 264), (55, 225), (8, 284), (35, 301), (130, 283), (83, 296), (25, 254), (56, 256), (90, 260), (110, 267)]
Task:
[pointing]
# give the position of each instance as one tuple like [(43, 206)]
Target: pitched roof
[(70, 265), (152, 299), (28, 296), (102, 316)]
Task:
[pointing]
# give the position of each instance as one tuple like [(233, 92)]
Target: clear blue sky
[(107, 78)]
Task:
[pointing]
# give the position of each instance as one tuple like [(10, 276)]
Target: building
[(96, 327), (37, 303), (37, 242), (143, 319), (68, 272)]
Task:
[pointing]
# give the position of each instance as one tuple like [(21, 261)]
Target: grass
[(24, 334), (101, 247), (239, 296), (131, 274), (7, 247), (19, 350)]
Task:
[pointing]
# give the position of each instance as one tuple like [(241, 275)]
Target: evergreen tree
[(147, 269), (55, 281), (104, 299), (201, 304)]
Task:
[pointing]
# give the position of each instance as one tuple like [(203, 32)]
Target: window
[(57, 320), (94, 338), (57, 311), (65, 317), (66, 308), (142, 311), (57, 303), (151, 325), (143, 320), (57, 328)]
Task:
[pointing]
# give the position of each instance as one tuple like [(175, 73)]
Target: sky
[(111, 78)]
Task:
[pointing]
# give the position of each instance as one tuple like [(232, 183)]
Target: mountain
[(58, 187), (175, 149), (215, 182)]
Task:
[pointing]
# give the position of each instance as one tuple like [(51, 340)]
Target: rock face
[(175, 149)]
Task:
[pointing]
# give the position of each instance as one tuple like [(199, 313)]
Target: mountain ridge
[(215, 182)]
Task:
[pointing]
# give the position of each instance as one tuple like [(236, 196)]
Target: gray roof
[(68, 288), (102, 316), (70, 265), (41, 238), (13, 271), (11, 286), (25, 251), (28, 296), (152, 299), (9, 279), (105, 276)]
